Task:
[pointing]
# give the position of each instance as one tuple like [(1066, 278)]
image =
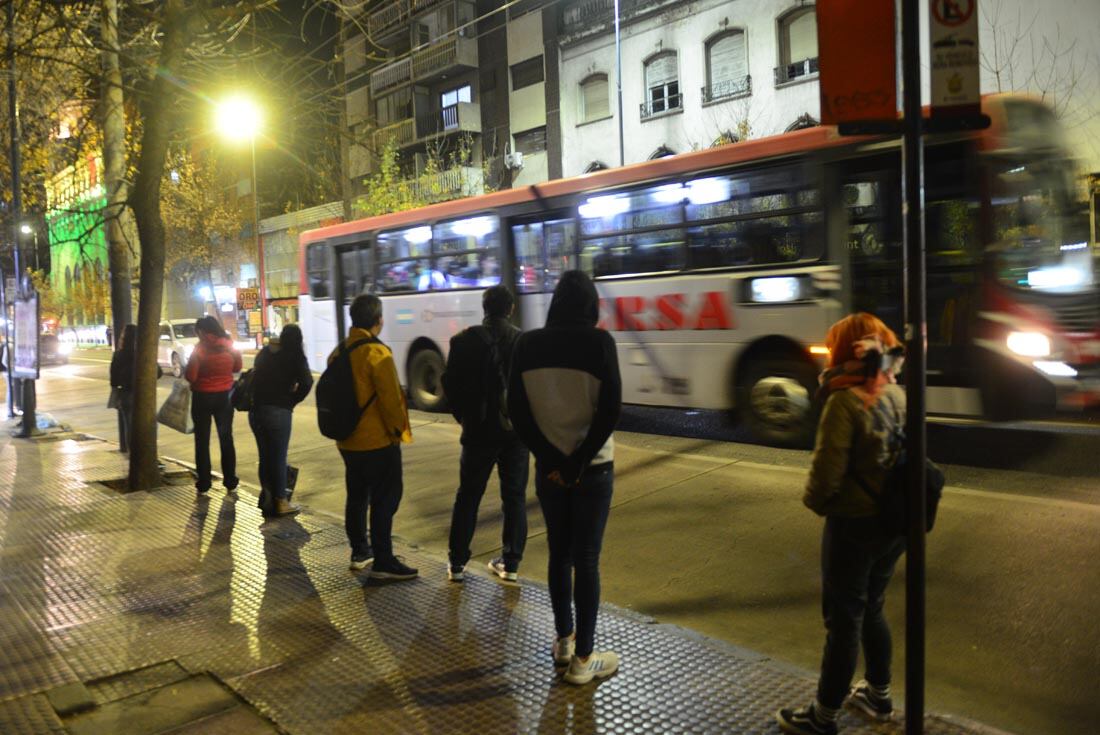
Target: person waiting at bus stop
[(855, 446), (372, 454), (475, 384), (210, 372), (564, 398)]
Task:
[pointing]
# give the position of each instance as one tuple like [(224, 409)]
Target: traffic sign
[(953, 35)]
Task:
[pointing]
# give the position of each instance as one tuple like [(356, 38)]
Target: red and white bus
[(720, 270)]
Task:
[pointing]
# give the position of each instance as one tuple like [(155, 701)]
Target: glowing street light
[(238, 118)]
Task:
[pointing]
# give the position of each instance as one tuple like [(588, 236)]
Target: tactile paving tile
[(31, 715), (113, 583)]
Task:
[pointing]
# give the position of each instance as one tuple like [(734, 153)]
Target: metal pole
[(915, 332), (619, 82), (259, 243), (7, 353)]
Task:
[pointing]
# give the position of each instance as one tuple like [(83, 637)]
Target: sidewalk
[(135, 606)]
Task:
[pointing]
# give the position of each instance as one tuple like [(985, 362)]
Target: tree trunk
[(114, 164), (159, 113)]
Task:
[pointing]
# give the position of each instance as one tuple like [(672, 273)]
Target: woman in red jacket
[(210, 373)]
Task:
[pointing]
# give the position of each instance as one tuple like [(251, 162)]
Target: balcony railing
[(728, 89), (797, 70), (461, 117), (454, 183), (401, 133), (658, 107), (444, 56), (391, 75), (591, 15), (387, 17)]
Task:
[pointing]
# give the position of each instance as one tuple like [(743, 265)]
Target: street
[(711, 536)]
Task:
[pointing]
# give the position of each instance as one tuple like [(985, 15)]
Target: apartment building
[(694, 74)]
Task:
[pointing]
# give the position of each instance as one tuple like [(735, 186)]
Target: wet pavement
[(116, 604)]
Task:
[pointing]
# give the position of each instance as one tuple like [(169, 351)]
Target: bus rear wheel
[(426, 381), (775, 395)]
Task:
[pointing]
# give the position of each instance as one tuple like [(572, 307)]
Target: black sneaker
[(360, 561), (803, 722), (391, 569), (863, 699)]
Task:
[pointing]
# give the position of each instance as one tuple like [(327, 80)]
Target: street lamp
[(238, 118), (26, 229)]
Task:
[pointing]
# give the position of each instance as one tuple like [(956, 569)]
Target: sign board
[(242, 324), (248, 298), (953, 35), (255, 323), (26, 337), (857, 60)]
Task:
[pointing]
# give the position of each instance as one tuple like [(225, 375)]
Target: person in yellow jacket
[(372, 454)]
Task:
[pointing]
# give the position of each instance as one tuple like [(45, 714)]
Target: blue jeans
[(205, 406), (372, 478), (271, 427), (575, 521), (511, 460), (857, 561), (125, 419)]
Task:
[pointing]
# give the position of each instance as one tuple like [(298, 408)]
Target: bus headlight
[(1057, 369), (65, 348), (1029, 344)]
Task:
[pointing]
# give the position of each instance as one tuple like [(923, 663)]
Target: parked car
[(52, 351), (177, 340)]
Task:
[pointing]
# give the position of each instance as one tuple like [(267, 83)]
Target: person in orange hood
[(210, 373)]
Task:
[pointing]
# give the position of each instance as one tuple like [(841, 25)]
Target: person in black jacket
[(123, 363), (475, 385), (280, 380), (564, 399)]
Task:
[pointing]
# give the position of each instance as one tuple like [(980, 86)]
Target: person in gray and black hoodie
[(564, 399)]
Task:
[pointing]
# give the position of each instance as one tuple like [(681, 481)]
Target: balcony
[(426, 64), (796, 72), (586, 17), (454, 183), (656, 108), (388, 19), (444, 58), (390, 75), (402, 133), (728, 89)]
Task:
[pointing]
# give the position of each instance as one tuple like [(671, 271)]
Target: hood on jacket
[(575, 302)]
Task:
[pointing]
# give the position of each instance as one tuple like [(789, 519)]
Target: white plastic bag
[(176, 411)]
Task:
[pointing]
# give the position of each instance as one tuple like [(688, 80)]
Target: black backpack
[(893, 501), (338, 411), (494, 381), (241, 395)]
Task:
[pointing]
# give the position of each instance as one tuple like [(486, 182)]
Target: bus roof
[(774, 146)]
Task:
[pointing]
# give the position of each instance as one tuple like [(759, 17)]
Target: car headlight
[(65, 348), (1029, 344)]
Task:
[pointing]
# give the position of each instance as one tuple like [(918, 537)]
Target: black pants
[(575, 521), (271, 426), (511, 460), (857, 561), (125, 419), (372, 478), (205, 406)]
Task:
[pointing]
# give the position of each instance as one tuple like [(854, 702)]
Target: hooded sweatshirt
[(212, 364), (565, 392)]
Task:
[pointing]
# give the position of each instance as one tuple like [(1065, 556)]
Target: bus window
[(627, 233), (467, 253), (318, 272), (543, 251), (349, 272), (403, 260), (364, 269), (649, 252)]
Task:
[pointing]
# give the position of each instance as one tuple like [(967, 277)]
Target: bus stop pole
[(915, 332)]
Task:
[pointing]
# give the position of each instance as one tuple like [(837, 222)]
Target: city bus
[(720, 270)]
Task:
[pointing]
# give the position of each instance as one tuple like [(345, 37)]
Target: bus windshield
[(1033, 231)]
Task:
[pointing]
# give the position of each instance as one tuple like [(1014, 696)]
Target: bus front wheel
[(775, 396), (426, 380)]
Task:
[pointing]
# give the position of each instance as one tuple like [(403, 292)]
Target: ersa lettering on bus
[(705, 310)]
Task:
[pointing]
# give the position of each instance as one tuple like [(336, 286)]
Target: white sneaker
[(597, 666), (456, 573), (496, 566), (563, 648)]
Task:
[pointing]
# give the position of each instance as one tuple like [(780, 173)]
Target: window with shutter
[(727, 66), (662, 85), (594, 100)]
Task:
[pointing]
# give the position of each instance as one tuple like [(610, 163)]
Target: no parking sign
[(953, 35)]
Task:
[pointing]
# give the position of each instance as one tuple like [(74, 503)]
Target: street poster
[(26, 337), (953, 35), (857, 60)]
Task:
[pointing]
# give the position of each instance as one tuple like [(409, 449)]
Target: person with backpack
[(280, 381), (564, 399), (476, 383), (210, 372), (361, 404), (856, 446)]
